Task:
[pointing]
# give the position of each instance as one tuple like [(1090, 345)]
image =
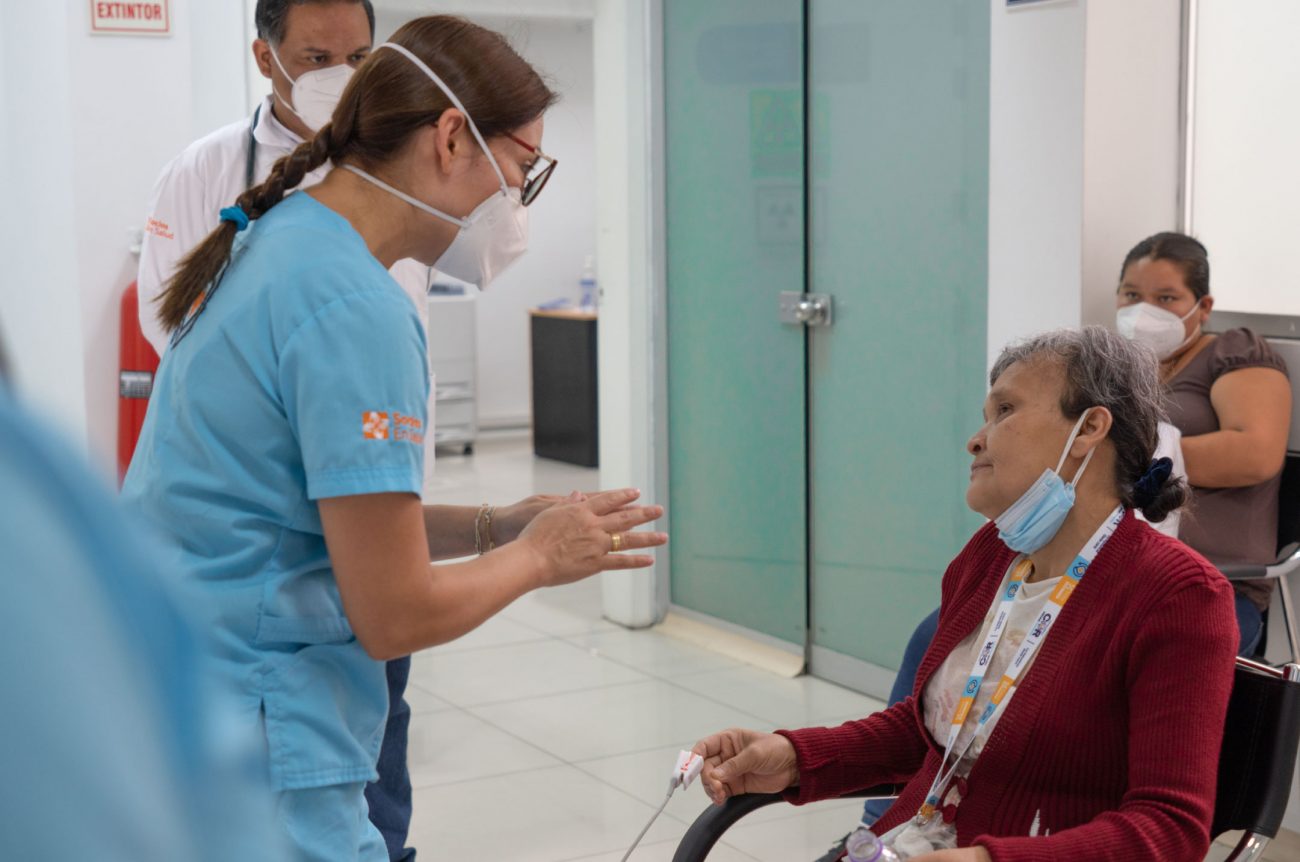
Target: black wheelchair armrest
[(709, 827)]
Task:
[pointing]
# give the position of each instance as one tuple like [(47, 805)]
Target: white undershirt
[(939, 700), (945, 686)]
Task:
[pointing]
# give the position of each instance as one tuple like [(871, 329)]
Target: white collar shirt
[(207, 176)]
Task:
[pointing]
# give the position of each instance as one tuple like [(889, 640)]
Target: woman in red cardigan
[(1071, 705)]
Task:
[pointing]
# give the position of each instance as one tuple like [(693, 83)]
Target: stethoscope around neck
[(250, 163)]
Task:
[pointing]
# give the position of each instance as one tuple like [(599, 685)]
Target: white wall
[(629, 246), (84, 142), (40, 304), (561, 221), (1245, 186), (1036, 100), (1131, 167), (1083, 155)]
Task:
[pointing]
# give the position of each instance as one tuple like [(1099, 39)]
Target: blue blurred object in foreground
[(112, 746)]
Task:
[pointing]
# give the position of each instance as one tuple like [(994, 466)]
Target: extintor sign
[(112, 17)]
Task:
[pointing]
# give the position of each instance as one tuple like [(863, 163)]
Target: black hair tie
[(1147, 489)]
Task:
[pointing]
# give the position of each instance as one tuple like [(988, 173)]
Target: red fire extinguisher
[(136, 368)]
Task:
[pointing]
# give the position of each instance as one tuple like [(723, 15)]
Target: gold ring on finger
[(615, 543)]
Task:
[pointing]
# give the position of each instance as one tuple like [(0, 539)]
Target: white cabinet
[(453, 357)]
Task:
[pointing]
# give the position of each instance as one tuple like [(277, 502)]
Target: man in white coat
[(307, 48)]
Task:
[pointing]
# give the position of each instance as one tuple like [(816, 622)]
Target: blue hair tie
[(1147, 489), (236, 216)]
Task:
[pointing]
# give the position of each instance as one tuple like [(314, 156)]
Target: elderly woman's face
[(1023, 434)]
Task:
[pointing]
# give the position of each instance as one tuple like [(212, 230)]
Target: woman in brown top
[(1228, 395)]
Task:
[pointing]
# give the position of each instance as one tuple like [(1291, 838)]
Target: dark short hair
[(271, 16), (1179, 249)]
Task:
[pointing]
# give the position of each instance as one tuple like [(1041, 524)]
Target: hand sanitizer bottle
[(587, 285)]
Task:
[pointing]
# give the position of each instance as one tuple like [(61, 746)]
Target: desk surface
[(563, 313)]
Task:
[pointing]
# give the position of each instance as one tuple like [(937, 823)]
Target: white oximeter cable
[(687, 769)]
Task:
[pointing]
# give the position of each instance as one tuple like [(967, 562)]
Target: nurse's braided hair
[(387, 101)]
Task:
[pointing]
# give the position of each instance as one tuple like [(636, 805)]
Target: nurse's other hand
[(746, 761), (574, 540), (511, 520)]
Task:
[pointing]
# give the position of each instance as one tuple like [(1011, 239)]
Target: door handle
[(806, 309)]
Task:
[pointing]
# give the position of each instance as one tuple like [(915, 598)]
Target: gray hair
[(1102, 369)]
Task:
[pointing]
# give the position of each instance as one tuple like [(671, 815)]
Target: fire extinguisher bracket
[(135, 384)]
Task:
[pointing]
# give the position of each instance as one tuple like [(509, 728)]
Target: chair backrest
[(1288, 504), (1257, 760)]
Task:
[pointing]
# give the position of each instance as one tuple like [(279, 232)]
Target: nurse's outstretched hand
[(511, 520), (746, 761), (586, 535)]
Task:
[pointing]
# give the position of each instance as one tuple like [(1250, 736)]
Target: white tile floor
[(547, 734)]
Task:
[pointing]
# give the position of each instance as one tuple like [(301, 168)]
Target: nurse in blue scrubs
[(282, 453)]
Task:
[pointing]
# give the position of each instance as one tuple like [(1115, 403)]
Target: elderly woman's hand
[(746, 761)]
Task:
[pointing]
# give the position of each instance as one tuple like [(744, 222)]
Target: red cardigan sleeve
[(890, 746), (884, 748), (1179, 678)]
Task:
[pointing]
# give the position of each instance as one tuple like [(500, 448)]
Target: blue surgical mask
[(1031, 521)]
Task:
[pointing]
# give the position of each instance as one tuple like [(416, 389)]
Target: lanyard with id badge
[(1046, 618)]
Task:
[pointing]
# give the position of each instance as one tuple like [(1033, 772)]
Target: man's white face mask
[(494, 235), (316, 93)]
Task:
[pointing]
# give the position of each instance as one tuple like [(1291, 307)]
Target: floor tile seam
[(646, 750), (460, 781), (651, 805), (661, 675), (589, 857), (490, 723), (560, 761), (541, 638), (720, 702), (583, 690), (775, 724), (557, 635), (474, 649)]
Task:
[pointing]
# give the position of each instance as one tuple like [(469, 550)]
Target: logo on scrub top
[(374, 425), (382, 425)]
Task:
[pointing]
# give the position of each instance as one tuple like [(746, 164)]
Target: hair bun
[(1147, 488)]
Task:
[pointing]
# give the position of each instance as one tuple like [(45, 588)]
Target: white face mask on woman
[(316, 93), (491, 237), (1157, 328)]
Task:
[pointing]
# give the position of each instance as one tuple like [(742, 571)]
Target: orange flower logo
[(374, 425)]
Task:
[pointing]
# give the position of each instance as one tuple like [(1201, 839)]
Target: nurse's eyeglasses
[(536, 181)]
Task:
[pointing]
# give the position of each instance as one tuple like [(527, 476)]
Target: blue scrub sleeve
[(355, 385)]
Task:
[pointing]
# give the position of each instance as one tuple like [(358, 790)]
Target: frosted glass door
[(899, 202), (735, 240)]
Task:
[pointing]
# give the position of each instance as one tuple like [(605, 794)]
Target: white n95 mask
[(1157, 328), (316, 93), (495, 234)]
